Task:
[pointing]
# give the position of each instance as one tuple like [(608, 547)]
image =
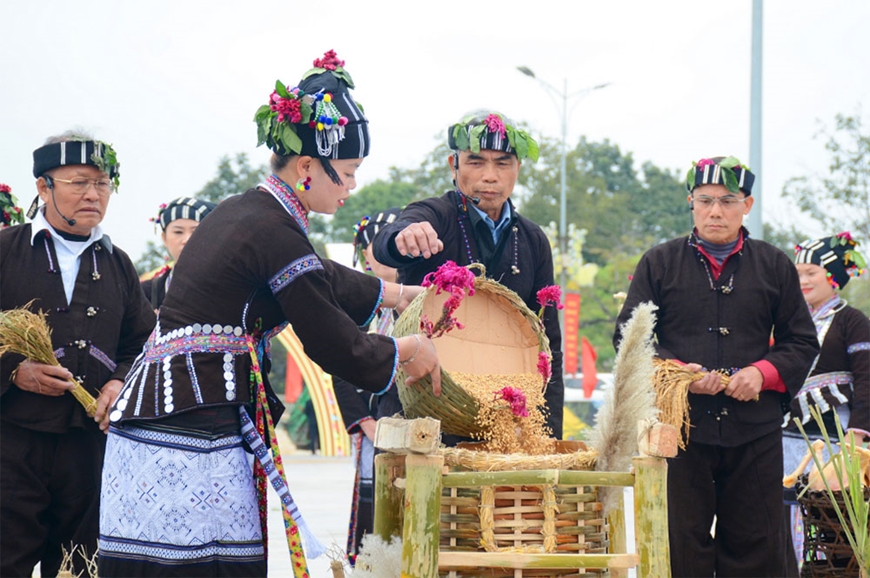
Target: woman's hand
[(409, 293), (42, 379), (418, 358)]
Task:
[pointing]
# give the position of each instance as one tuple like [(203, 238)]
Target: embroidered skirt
[(177, 504)]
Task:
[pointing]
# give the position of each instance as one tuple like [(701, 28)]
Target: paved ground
[(321, 486)]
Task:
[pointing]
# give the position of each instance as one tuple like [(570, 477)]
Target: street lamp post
[(560, 99)]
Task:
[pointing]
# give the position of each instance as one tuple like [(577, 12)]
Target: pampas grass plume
[(629, 400)]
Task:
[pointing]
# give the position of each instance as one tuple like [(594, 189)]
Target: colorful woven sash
[(270, 466)]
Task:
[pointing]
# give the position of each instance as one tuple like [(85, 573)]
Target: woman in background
[(178, 220), (839, 381)]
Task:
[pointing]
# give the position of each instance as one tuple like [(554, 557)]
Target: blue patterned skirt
[(177, 504)]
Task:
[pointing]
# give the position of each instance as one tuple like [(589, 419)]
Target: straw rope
[(483, 461), (671, 383), (28, 334)]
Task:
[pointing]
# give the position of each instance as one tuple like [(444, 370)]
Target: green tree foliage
[(838, 200), (234, 176), (824, 198), (601, 303), (622, 211), (371, 199)]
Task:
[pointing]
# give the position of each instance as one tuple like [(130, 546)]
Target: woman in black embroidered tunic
[(839, 381), (179, 498), (178, 220)]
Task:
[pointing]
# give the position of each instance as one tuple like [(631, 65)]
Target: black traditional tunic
[(155, 287), (733, 465), (249, 270), (841, 375), (96, 336), (521, 261)]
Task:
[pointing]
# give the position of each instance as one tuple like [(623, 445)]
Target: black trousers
[(49, 497), (741, 489)]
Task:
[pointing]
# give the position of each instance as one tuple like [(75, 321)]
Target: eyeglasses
[(104, 187), (728, 201)]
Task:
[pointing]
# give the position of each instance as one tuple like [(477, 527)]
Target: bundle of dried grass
[(66, 563), (507, 428), (27, 333), (671, 384), (630, 400)]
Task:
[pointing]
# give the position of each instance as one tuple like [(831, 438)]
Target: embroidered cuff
[(395, 368), (377, 305)]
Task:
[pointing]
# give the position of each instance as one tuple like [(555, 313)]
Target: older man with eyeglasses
[(721, 296), (51, 450)]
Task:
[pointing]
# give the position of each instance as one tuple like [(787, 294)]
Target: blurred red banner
[(570, 334)]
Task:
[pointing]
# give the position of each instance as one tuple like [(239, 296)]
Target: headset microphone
[(475, 200), (692, 205), (50, 184)]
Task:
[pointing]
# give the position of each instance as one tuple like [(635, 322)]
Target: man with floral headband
[(477, 223), (839, 381), (198, 399), (63, 264), (721, 296)]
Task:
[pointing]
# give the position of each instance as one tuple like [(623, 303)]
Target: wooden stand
[(418, 520)]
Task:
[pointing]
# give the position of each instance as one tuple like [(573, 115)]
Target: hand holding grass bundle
[(671, 384), (28, 334)]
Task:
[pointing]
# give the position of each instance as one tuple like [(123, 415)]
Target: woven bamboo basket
[(501, 336), (827, 552), (549, 518)]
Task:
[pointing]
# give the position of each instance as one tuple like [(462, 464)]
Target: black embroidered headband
[(491, 131), (183, 208), (837, 254), (77, 152), (317, 118), (726, 171)]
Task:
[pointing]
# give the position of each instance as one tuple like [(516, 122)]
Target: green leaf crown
[(727, 166), (468, 132)]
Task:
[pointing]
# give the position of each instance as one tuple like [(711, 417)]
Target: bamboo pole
[(651, 516), (543, 561), (388, 497), (618, 540), (421, 532), (537, 478)]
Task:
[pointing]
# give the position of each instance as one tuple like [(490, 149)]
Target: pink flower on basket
[(451, 278), (494, 123), (549, 295), (516, 398), (704, 163), (545, 368), (458, 282)]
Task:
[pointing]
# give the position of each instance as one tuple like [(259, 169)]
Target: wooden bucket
[(501, 335)]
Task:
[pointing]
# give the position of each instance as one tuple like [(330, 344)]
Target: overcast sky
[(174, 84)]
